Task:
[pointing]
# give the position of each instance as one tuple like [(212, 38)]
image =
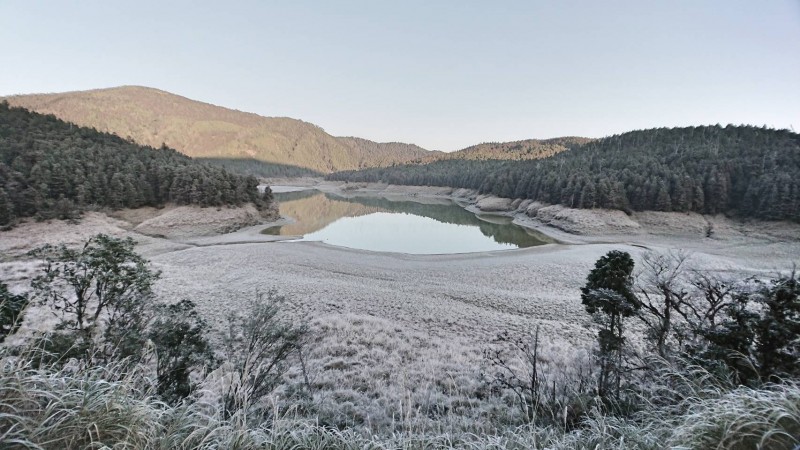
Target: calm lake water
[(378, 224)]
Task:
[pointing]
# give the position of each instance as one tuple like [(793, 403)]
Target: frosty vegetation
[(683, 358)]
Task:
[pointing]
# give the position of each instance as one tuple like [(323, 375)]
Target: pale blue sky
[(441, 74)]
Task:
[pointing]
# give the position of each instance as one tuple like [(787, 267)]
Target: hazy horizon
[(444, 76)]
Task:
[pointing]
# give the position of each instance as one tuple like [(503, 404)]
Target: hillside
[(516, 150), (152, 117), (381, 154), (740, 170), (50, 168)]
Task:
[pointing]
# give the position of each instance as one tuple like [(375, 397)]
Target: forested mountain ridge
[(153, 117), (514, 150), (740, 170), (50, 168)]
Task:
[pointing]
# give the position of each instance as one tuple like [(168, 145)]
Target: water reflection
[(380, 224)]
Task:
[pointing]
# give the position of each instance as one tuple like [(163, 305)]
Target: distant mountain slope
[(740, 170), (50, 168), (516, 150), (153, 117), (381, 154)]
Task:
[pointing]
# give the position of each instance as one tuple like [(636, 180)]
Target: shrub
[(258, 344), (179, 335), (11, 311)]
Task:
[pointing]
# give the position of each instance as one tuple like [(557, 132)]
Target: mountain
[(516, 150), (744, 171), (152, 117), (50, 168)]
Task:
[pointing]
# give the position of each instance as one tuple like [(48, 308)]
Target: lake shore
[(766, 245)]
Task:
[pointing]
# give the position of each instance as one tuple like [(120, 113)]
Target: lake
[(431, 226)]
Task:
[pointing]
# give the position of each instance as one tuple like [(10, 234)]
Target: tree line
[(744, 171), (260, 169), (54, 169)]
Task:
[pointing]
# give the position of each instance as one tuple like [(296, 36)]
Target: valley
[(409, 284)]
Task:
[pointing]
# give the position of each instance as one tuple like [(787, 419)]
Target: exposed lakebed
[(428, 226)]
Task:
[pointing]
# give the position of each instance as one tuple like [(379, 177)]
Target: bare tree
[(713, 294), (549, 389), (518, 371), (662, 291)]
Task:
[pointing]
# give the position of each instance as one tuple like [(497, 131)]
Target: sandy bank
[(183, 222), (187, 221), (280, 189)]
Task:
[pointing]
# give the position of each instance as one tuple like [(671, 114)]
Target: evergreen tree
[(608, 296)]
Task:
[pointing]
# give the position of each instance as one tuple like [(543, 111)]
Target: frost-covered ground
[(398, 339)]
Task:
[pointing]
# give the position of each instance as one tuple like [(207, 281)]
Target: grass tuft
[(115, 407)]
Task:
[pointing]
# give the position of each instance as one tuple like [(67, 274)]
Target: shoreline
[(595, 226)]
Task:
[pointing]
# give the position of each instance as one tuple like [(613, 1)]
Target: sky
[(441, 74)]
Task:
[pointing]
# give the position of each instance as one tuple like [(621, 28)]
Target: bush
[(11, 311), (103, 280), (179, 335), (258, 344)]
